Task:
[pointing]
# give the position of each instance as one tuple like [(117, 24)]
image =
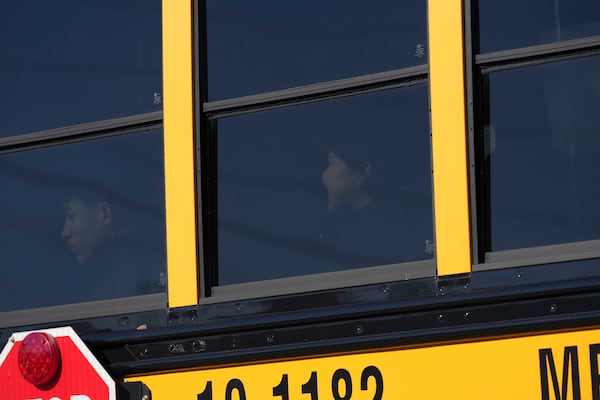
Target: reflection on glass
[(260, 46), (83, 222), (544, 145), (70, 62), (511, 24), (326, 186)]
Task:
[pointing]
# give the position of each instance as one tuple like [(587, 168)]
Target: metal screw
[(144, 352), (440, 317), (198, 345), (553, 308), (270, 338), (467, 315), (359, 329)]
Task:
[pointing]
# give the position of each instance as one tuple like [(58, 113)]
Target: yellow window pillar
[(179, 152), (449, 136)]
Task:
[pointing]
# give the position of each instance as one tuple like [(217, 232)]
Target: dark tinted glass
[(67, 62), (259, 46), (326, 186), (545, 154), (511, 24), (82, 222)]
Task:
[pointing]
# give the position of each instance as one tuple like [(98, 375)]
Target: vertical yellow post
[(449, 136), (179, 152)]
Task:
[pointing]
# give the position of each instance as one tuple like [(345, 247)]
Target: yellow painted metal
[(507, 368), (179, 153), (449, 137)]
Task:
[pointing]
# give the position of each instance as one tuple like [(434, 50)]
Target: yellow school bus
[(307, 200)]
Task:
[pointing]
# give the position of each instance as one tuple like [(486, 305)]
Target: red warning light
[(39, 358)]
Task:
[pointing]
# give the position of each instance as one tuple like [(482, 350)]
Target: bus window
[(326, 186), (83, 222), (316, 155), (536, 80), (81, 158), (73, 62), (255, 47)]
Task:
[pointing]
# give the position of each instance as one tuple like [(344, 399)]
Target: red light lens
[(39, 358)]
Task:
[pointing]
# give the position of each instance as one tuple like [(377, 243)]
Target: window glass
[(261, 46), (68, 62), (326, 186), (544, 154), (90, 213), (511, 24)]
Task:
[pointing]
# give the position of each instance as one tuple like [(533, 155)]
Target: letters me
[(570, 369)]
